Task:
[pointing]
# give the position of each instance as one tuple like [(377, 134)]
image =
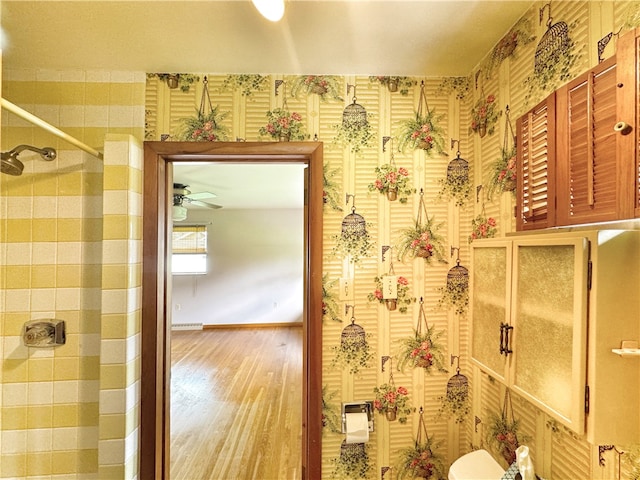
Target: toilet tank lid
[(476, 465)]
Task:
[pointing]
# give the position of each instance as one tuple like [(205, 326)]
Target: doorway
[(236, 320), (155, 406)]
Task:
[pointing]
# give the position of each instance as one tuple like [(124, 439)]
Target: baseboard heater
[(186, 326)]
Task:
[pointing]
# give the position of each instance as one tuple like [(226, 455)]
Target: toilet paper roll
[(357, 427)]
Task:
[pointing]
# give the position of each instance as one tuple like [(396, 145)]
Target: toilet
[(477, 465)]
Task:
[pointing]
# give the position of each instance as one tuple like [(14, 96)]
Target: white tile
[(48, 113), (18, 301), (114, 301), (20, 75), (116, 152), (112, 352), (19, 253), (131, 444), (48, 75), (133, 348), (98, 76), (120, 116), (89, 344), (123, 76), (14, 394), (69, 253), (65, 391), (73, 76), (45, 206), (112, 402), (39, 440), (92, 253), (91, 298), (111, 452), (68, 298), (115, 252), (92, 206), (13, 441), (88, 438), (43, 299), (70, 207), (132, 393), (19, 207), (65, 438), (115, 202), (71, 116), (44, 253), (89, 391), (40, 393), (135, 204), (96, 116), (14, 348)]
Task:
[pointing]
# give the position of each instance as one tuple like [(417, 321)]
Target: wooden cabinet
[(547, 310), (536, 160), (576, 165)]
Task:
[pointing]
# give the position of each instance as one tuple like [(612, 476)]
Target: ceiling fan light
[(178, 213), (270, 9)]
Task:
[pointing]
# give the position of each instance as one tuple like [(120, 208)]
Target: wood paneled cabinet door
[(536, 160), (597, 167)]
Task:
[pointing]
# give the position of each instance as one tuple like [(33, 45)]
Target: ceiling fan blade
[(201, 195), (202, 204)]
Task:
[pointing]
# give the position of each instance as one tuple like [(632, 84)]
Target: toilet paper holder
[(357, 407)]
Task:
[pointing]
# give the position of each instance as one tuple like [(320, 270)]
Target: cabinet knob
[(623, 128)]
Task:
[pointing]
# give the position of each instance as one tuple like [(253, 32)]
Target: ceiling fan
[(182, 197)]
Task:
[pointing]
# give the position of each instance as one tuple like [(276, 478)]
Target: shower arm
[(46, 153), (6, 104)]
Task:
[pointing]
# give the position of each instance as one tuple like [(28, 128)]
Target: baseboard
[(253, 325), (186, 326)]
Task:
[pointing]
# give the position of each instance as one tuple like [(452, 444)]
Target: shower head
[(10, 164)]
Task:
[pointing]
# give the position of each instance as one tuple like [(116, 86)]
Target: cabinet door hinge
[(586, 399)]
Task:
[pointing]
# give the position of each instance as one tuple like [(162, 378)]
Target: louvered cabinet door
[(596, 168), (535, 142)]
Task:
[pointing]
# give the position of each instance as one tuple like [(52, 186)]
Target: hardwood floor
[(236, 404)]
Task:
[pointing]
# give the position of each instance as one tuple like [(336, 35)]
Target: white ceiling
[(359, 37)]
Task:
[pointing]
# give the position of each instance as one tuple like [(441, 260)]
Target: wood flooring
[(236, 404)]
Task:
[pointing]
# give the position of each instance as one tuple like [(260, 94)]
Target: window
[(189, 250)]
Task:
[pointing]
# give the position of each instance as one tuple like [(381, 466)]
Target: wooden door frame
[(155, 337)]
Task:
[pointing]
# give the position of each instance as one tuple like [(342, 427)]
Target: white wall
[(255, 269)]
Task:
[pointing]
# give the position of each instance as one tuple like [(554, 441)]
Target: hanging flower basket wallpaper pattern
[(175, 80), (325, 86), (205, 127), (484, 116), (422, 459), (330, 412), (503, 174), (330, 306), (393, 182), (283, 125), (422, 132), (330, 189), (246, 83), (403, 300), (422, 240), (502, 433), (483, 227), (394, 84), (422, 350), (392, 402)]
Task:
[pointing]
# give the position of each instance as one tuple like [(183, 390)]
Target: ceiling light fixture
[(179, 213), (270, 9)]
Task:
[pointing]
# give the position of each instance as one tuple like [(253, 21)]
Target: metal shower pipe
[(6, 104)]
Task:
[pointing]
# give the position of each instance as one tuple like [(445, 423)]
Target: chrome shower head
[(10, 164)]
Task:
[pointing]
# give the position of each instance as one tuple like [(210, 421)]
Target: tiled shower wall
[(57, 222)]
